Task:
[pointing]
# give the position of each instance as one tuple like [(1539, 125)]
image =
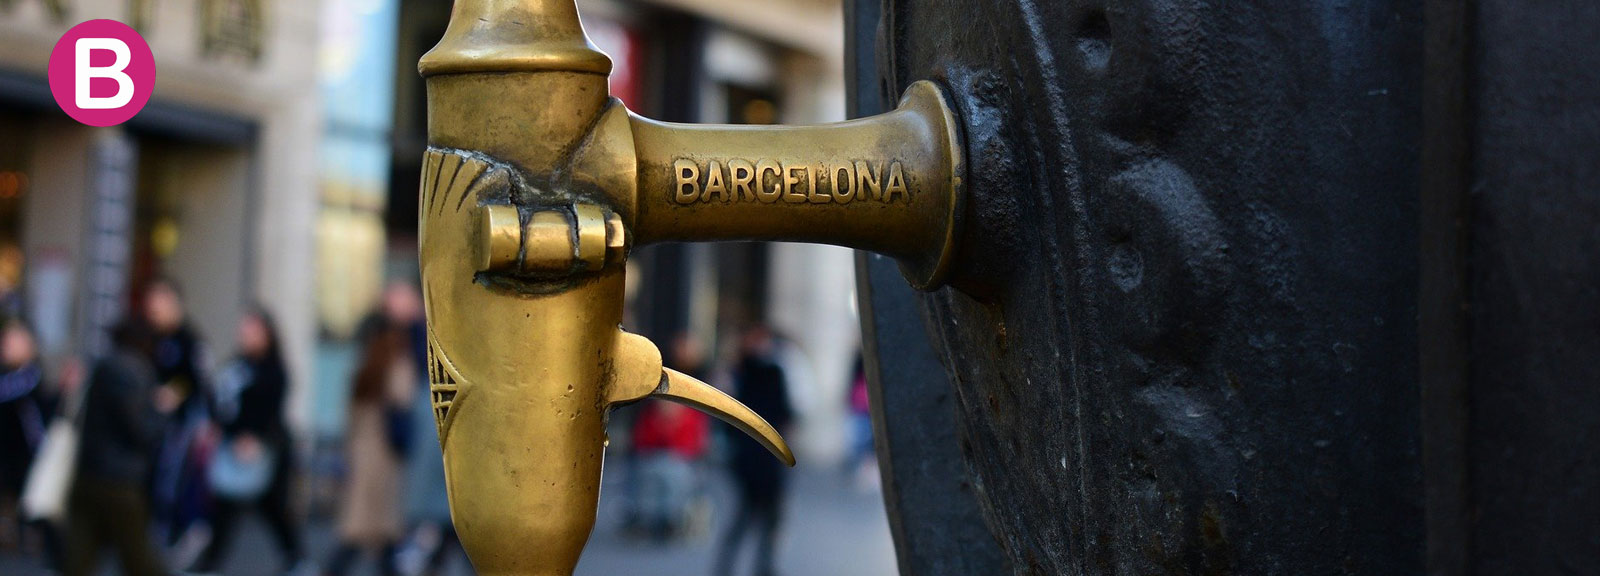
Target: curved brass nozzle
[(684, 389), (639, 374)]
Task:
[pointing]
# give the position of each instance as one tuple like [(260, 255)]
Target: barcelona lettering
[(768, 181)]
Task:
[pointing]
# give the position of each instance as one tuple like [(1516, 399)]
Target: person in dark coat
[(177, 356), (121, 427), (759, 476), (22, 420), (24, 409), (247, 400), (176, 353)]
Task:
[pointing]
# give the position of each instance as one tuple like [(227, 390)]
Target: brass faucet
[(537, 185)]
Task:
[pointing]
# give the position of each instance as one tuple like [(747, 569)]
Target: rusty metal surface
[(1300, 287), (1187, 339)]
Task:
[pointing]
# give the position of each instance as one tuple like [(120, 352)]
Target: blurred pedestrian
[(121, 427), (22, 423), (760, 385), (375, 444), (667, 441), (177, 353), (178, 483), (247, 402), (863, 462), (670, 438)]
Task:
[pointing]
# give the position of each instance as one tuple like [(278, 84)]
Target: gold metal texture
[(535, 187), (889, 184)]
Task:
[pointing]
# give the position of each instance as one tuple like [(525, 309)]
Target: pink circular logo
[(102, 72)]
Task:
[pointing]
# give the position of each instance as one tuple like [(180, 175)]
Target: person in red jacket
[(667, 439), (671, 429)]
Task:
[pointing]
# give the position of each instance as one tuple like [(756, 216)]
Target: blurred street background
[(249, 241), (833, 529)]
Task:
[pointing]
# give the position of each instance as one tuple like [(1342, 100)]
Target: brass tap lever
[(535, 188)]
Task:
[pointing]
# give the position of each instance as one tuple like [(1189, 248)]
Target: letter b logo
[(102, 73)]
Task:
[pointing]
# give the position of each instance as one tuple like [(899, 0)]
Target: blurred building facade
[(214, 184), (279, 162)]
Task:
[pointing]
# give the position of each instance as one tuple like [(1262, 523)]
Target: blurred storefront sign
[(106, 257)]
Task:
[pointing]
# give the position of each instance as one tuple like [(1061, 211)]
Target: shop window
[(16, 131)]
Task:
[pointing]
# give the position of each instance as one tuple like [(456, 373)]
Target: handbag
[(49, 482), (235, 478), (44, 497)]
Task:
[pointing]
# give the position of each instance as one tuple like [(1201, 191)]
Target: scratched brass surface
[(535, 187)]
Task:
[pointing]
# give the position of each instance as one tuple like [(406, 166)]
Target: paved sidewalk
[(830, 529)]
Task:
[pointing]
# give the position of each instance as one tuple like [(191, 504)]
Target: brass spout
[(535, 188)]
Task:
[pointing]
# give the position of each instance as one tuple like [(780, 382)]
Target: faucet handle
[(639, 374), (553, 241)]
